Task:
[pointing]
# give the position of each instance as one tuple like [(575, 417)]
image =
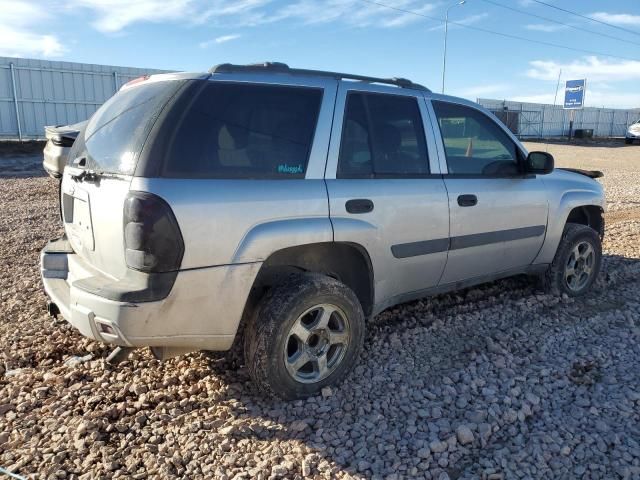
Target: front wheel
[(305, 334), (576, 263)]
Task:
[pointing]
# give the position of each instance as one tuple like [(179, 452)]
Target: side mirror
[(539, 162)]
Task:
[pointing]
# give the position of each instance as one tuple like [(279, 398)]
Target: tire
[(574, 251), (288, 326)]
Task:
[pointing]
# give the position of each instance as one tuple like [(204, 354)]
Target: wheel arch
[(583, 207), (345, 261), (589, 215)]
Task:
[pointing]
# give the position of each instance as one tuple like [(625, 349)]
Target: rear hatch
[(102, 162)]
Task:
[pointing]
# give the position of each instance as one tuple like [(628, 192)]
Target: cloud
[(471, 19), (617, 18), (545, 27), (592, 68), (114, 15), (18, 20), (354, 12), (219, 40)]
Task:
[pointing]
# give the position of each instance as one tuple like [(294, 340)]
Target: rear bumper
[(202, 310)]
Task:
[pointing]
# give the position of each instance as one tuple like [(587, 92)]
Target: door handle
[(359, 205), (467, 200)]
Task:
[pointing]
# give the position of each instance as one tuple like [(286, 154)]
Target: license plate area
[(76, 211)]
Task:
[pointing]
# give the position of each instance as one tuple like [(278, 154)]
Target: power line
[(587, 17), (501, 34), (547, 19)]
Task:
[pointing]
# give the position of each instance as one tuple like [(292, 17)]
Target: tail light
[(152, 238), (61, 141)]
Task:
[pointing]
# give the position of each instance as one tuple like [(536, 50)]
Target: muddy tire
[(306, 333), (576, 264)]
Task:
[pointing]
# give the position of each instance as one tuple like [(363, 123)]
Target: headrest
[(232, 137)]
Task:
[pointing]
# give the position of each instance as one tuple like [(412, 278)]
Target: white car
[(60, 138), (633, 133)]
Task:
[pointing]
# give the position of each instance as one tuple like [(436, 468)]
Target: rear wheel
[(576, 263), (305, 334)]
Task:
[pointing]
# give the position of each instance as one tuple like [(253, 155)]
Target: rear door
[(385, 191), (498, 214)]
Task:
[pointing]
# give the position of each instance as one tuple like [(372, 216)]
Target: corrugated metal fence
[(537, 120), (35, 93)]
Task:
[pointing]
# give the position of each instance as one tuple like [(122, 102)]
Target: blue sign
[(574, 93)]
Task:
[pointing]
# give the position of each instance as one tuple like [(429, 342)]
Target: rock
[(4, 437), (298, 425), (229, 429), (77, 360), (423, 453), (306, 468), (438, 446), (326, 392), (4, 408), (464, 435)]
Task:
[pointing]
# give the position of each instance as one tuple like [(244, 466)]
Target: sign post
[(574, 91)]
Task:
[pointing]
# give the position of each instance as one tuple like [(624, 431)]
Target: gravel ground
[(494, 382)]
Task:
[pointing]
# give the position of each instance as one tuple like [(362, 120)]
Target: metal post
[(613, 117), (115, 82), (446, 30), (15, 99), (444, 52)]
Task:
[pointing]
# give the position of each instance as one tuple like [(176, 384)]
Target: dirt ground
[(496, 382)]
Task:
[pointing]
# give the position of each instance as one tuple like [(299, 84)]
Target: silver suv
[(293, 205)]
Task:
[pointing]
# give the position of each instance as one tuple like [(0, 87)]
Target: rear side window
[(115, 134), (244, 131), (382, 137)]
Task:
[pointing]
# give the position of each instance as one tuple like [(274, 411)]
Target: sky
[(355, 36)]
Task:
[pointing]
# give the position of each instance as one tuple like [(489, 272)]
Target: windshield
[(115, 134)]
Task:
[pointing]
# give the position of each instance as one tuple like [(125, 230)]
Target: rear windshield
[(240, 130), (115, 134)]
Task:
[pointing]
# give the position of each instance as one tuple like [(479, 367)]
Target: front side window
[(474, 144), (382, 136), (244, 131)]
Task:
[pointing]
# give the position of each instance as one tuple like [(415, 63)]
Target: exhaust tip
[(53, 310), (118, 355)]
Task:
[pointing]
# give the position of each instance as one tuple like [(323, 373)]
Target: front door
[(498, 214), (385, 191)]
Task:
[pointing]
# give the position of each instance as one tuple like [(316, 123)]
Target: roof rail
[(278, 67)]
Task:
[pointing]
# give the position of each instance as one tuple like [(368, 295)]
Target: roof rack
[(278, 67)]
